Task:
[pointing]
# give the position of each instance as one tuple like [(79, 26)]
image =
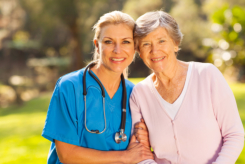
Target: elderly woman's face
[(157, 50)]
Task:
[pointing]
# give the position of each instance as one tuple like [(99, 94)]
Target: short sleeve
[(61, 122)]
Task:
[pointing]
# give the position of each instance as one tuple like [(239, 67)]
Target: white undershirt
[(172, 109)]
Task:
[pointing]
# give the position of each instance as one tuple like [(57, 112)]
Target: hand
[(141, 133), (137, 152)]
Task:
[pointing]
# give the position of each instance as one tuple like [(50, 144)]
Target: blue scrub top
[(65, 117)]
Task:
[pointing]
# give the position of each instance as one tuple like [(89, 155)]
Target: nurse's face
[(116, 47)]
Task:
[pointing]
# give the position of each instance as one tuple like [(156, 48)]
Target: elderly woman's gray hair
[(150, 21)]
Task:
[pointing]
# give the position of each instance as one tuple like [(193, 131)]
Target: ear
[(139, 55), (137, 51), (176, 48), (96, 45)]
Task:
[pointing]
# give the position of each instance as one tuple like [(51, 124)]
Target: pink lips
[(117, 60)]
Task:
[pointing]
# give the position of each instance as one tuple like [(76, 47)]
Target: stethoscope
[(119, 136)]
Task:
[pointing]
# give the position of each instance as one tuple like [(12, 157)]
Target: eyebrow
[(107, 38), (128, 38), (144, 41), (122, 38), (157, 39), (161, 38)]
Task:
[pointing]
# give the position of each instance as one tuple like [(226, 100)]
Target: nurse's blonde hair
[(114, 17)]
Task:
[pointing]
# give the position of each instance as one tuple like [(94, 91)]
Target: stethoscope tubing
[(85, 111), (123, 121)]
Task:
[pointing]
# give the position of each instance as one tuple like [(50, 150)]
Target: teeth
[(116, 59), (157, 59)]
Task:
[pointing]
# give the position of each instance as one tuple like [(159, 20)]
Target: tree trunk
[(77, 57)]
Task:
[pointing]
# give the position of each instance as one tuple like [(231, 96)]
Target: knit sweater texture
[(207, 128)]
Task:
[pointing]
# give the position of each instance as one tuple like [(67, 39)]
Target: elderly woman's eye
[(161, 41), (146, 44)]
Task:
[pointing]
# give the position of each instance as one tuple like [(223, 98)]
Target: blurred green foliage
[(21, 128), (40, 40), (229, 36)]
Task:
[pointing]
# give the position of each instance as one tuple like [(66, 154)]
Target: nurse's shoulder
[(129, 85), (71, 81)]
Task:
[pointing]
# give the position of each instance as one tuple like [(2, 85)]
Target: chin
[(157, 69), (118, 70)]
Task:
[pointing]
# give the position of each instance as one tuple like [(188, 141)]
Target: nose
[(154, 49), (117, 49)]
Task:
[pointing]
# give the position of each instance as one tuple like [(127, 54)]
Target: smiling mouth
[(117, 59), (158, 59)]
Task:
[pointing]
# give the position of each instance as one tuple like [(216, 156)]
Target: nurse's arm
[(135, 153)]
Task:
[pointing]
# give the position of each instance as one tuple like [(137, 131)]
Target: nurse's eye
[(126, 42), (108, 42)]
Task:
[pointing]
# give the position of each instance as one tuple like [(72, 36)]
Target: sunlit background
[(41, 40)]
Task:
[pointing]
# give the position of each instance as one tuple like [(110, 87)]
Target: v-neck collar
[(159, 98), (187, 80), (106, 94)]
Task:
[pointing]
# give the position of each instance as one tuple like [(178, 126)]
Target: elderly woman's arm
[(141, 133), (136, 118), (227, 116)]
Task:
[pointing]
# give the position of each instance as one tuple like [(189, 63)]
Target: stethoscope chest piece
[(120, 136)]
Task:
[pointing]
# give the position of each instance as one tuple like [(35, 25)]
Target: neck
[(172, 75), (110, 80), (168, 75)]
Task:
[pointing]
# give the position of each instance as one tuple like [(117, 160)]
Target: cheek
[(129, 48), (144, 52), (105, 50), (130, 51), (165, 48), (145, 58), (169, 50)]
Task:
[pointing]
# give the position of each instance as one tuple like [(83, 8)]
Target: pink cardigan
[(207, 128)]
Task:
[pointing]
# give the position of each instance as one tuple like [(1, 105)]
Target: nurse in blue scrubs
[(90, 138)]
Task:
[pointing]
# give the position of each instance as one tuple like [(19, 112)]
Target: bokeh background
[(41, 40)]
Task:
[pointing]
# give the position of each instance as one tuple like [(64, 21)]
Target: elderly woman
[(189, 109)]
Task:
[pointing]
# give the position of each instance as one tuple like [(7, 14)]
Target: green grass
[(21, 128), (20, 133), (136, 80), (239, 92)]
